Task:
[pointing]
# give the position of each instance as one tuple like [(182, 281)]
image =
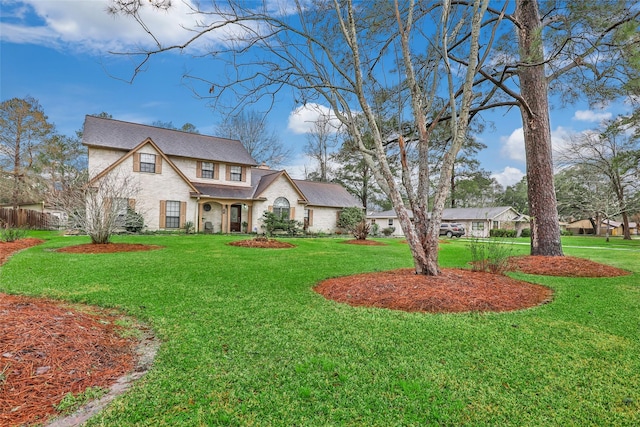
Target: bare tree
[(320, 144), (262, 143), (102, 206), (610, 157)]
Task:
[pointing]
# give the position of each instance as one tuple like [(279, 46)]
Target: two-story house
[(212, 182)]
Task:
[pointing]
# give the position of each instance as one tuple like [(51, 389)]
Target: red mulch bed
[(364, 242), (107, 248), (49, 349), (262, 242), (564, 266), (455, 290), (9, 248)]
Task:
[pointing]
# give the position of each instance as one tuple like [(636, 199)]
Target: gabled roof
[(327, 194), (457, 214), (265, 177), (119, 135), (130, 153)]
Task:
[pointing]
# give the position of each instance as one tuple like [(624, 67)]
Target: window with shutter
[(172, 214), (147, 163), (207, 170)]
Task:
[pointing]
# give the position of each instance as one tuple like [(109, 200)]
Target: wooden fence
[(24, 218)]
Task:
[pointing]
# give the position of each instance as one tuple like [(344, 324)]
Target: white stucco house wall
[(477, 221), (212, 182)]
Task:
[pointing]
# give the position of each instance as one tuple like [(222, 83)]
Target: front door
[(236, 218)]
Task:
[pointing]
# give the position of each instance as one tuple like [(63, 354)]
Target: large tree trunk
[(545, 227)]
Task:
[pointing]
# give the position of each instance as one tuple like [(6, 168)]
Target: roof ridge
[(162, 128)]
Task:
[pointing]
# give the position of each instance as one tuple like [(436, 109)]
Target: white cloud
[(302, 119), (591, 116), (560, 137), (87, 26), (509, 176), (513, 145)]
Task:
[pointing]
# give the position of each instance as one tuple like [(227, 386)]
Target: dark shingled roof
[(115, 134), (261, 179), (224, 191), (327, 194)]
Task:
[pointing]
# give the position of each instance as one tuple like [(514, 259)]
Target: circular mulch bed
[(364, 242), (454, 290), (262, 243), (106, 248), (564, 266)]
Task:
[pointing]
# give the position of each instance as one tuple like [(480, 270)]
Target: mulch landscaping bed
[(9, 248), (364, 242), (105, 248), (455, 290), (49, 349), (564, 266), (262, 243)]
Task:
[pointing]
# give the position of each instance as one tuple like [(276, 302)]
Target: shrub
[(375, 229), (526, 232), (272, 222), (489, 255), (388, 231), (361, 230), (350, 218), (189, 227), (134, 221), (8, 234), (501, 232)]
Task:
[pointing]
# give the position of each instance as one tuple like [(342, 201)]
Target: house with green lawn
[(212, 182)]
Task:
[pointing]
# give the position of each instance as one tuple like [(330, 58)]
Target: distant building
[(477, 222)]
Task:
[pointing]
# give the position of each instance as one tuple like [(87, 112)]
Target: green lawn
[(247, 342)]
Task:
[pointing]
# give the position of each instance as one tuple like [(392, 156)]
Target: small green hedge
[(501, 232)]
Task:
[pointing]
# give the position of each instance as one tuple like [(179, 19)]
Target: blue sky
[(58, 52)]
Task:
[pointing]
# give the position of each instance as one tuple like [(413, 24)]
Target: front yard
[(246, 341)]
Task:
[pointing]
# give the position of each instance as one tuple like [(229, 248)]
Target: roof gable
[(131, 153), (119, 135)]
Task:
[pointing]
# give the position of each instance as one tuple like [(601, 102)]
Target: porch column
[(249, 210), (198, 220), (227, 221)]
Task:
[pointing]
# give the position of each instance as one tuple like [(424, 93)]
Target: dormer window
[(207, 170), (147, 163), (235, 173)]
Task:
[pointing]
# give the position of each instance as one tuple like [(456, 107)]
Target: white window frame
[(147, 163)]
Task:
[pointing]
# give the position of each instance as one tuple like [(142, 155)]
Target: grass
[(246, 341)]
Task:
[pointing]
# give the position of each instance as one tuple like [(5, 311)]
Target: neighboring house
[(41, 214), (477, 221), (212, 182), (616, 228)]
